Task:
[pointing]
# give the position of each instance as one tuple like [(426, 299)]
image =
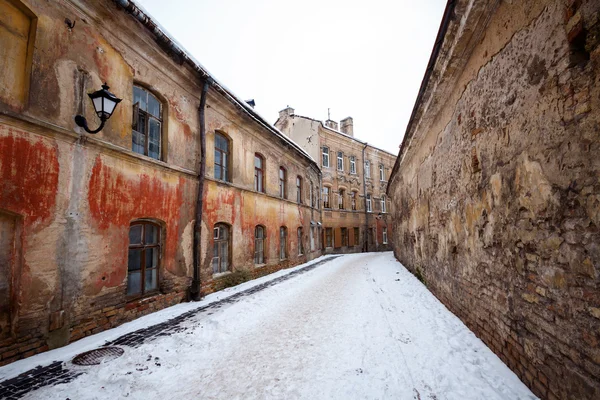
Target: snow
[(358, 327)]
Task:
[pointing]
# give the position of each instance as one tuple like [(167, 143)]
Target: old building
[(98, 229), (354, 182), (496, 187)]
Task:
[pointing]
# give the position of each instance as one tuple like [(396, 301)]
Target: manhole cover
[(95, 357)]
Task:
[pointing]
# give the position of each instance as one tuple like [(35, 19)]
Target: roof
[(343, 134), (163, 37)]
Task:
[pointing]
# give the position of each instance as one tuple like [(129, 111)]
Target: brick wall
[(497, 192)]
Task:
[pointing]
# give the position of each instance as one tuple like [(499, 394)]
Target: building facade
[(98, 229), (496, 187), (353, 192)]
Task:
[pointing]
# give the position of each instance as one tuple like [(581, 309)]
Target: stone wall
[(497, 191)]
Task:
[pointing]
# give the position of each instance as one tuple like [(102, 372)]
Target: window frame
[(262, 241), (367, 169), (259, 173), (148, 116), (353, 196), (326, 197), (341, 195), (282, 183), (340, 161), (300, 233), (325, 156), (328, 237), (228, 240), (382, 204), (283, 250), (144, 247), (344, 236), (299, 189), (227, 158), (353, 165), (381, 172), (369, 202)]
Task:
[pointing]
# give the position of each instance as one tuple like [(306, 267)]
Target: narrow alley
[(356, 326)]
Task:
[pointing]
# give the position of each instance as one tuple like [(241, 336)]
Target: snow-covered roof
[(142, 15)]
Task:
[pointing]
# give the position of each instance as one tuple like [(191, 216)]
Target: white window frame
[(325, 157), (352, 165), (381, 173), (382, 201), (340, 161), (367, 169), (369, 207)]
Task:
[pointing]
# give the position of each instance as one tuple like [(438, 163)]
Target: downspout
[(366, 235), (196, 284)]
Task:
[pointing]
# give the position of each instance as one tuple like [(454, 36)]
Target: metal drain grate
[(97, 356)]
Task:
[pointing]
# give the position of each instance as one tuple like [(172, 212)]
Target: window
[(259, 244), (356, 236), (143, 258), (369, 209), (259, 176), (300, 243), (382, 202), (353, 200), (344, 232), (147, 123), (221, 157), (367, 169), (312, 238), (299, 190), (340, 161), (385, 239), (341, 195), (326, 157), (282, 243), (381, 173), (352, 164), (312, 198), (328, 237), (282, 181), (326, 197), (222, 239)]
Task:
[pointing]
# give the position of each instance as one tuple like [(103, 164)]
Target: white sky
[(363, 59)]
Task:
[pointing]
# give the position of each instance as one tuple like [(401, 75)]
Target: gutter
[(366, 235), (196, 283), (439, 41)]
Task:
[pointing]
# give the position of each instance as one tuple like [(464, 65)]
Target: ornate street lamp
[(104, 104)]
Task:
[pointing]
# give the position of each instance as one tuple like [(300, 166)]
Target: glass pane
[(151, 258), (218, 172), (109, 106), (97, 105), (215, 263), (151, 280), (218, 157), (134, 261), (139, 96), (151, 234), (134, 282), (257, 162), (154, 139), (138, 142), (135, 234), (153, 106), (224, 256)]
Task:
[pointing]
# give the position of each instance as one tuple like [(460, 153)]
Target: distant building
[(354, 183)]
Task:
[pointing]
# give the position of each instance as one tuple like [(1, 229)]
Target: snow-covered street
[(357, 327)]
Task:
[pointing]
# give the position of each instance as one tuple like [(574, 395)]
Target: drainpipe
[(366, 235), (195, 288)]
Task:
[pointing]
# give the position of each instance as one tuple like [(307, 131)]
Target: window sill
[(260, 265), (144, 298), (220, 274)]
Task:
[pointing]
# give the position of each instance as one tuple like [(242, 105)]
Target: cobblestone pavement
[(60, 372)]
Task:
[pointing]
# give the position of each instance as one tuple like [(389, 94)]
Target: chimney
[(348, 126), (286, 112), (331, 124)]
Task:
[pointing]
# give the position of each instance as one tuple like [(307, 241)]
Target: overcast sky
[(363, 59)]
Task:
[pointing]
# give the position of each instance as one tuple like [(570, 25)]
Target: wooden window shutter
[(337, 237)]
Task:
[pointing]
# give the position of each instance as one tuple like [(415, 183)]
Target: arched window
[(300, 242), (326, 203), (221, 253), (282, 183), (341, 195), (282, 243), (299, 190), (144, 258), (147, 123), (259, 173), (222, 157), (259, 244), (369, 209)]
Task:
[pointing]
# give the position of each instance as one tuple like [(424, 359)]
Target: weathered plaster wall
[(497, 192)]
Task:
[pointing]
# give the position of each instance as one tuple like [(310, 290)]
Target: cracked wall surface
[(497, 191)]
